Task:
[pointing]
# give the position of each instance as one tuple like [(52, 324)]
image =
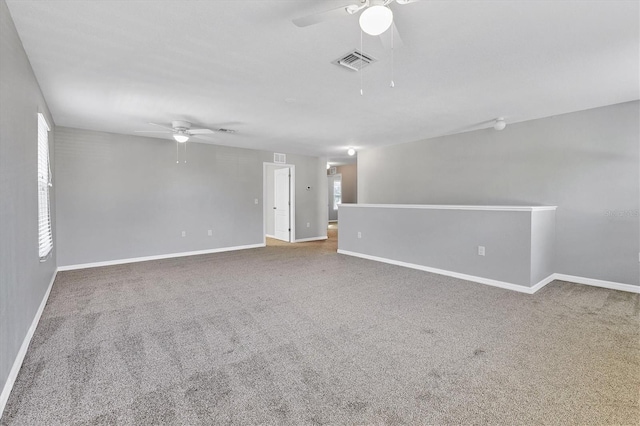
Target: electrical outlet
[(308, 225), (255, 201), (209, 232), (184, 233), (480, 250), (359, 234)]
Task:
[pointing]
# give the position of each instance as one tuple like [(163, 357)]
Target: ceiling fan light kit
[(351, 152), (375, 20), (180, 137)]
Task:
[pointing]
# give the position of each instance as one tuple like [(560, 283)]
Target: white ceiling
[(116, 65)]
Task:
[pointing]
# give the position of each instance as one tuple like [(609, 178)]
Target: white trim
[(304, 240), (17, 363), (509, 286), (597, 283), (270, 236), (454, 207), (333, 221), (487, 281), (157, 257), (542, 283)]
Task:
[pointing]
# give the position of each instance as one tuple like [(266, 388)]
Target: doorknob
[(274, 208)]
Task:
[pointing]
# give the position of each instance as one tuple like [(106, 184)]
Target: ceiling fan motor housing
[(180, 125)]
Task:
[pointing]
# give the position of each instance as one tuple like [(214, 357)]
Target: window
[(45, 239), (337, 193)]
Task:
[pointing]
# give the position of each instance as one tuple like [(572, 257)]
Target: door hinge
[(289, 229)]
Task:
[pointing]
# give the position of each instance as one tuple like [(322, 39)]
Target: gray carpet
[(296, 334)]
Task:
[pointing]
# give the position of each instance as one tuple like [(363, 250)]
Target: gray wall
[(543, 245), (23, 278), (124, 196), (585, 162), (311, 203), (349, 174), (447, 239)]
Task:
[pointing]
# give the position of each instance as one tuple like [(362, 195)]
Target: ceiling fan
[(182, 131), (376, 17)]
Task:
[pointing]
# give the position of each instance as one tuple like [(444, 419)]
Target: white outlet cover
[(481, 251), (184, 233), (209, 232), (255, 201), (359, 234)]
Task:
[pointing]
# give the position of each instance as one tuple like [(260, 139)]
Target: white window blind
[(45, 239)]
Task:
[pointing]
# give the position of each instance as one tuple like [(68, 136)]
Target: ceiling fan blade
[(162, 125), (203, 138), (201, 131), (406, 1), (316, 18), (152, 131), (391, 38)]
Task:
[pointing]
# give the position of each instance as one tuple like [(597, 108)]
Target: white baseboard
[(17, 363), (157, 257), (270, 236), (542, 283), (509, 286), (304, 240), (486, 281), (597, 283)]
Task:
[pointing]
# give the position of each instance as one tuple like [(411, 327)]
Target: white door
[(282, 225)]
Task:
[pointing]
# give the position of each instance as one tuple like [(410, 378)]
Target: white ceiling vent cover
[(355, 60), (279, 158)]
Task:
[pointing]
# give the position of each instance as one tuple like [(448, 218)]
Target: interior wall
[(586, 163), (23, 278), (122, 197), (349, 174)]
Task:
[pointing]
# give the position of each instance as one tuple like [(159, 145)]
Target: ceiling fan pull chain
[(362, 53), (177, 153), (185, 152), (392, 57)]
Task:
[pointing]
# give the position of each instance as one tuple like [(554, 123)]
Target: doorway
[(279, 202)]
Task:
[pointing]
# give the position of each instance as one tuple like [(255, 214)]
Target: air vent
[(279, 158), (355, 60)]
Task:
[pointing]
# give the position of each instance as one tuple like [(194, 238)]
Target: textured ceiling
[(116, 65)]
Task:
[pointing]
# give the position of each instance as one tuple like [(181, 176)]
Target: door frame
[(292, 199)]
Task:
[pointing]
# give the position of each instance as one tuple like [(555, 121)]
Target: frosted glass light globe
[(180, 138), (376, 19)]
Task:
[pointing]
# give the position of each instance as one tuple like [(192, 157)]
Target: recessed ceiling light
[(500, 124), (351, 152)]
